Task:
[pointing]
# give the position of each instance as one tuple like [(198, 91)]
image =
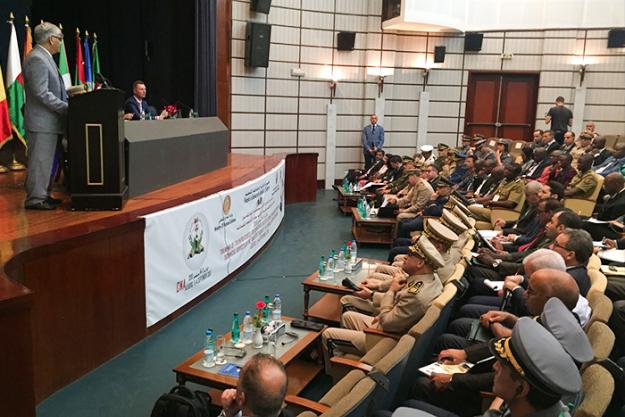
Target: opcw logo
[(194, 242)]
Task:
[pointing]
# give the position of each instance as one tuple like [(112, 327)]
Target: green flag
[(95, 56), (64, 67)]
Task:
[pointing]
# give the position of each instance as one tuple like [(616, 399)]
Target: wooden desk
[(372, 229), (300, 370), (328, 308), (346, 201)]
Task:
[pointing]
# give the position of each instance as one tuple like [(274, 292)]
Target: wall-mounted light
[(426, 75), (380, 85), (380, 73), (582, 63), (333, 83), (582, 73)]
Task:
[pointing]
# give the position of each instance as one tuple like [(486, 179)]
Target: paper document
[(613, 270), (441, 368), (369, 184), (595, 221), (613, 255), (489, 234), (493, 285)]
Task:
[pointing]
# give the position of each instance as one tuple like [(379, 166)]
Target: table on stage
[(346, 200), (300, 370), (328, 308)]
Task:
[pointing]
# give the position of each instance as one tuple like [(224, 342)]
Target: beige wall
[(274, 112)]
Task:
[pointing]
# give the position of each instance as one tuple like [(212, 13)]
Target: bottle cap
[(247, 312), (277, 294), (209, 332), (235, 314)]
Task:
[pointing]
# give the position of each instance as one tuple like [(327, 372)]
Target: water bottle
[(348, 253), (276, 313), (266, 310), (354, 251), (209, 350), (236, 329), (341, 264), (351, 188), (345, 185), (322, 267), (336, 260), (248, 328), (330, 268)]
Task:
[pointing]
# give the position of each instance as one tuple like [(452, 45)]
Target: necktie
[(372, 128)]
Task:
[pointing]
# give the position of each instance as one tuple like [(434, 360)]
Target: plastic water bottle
[(330, 268), (351, 188), (354, 251), (236, 329), (336, 260), (348, 254), (345, 185), (248, 328), (266, 310), (209, 350), (322, 267), (276, 313), (341, 264)]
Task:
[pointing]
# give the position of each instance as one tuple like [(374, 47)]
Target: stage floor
[(29, 228)]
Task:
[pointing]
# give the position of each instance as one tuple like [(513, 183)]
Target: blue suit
[(132, 106), (371, 139)]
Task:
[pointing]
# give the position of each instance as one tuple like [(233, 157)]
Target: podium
[(97, 168)]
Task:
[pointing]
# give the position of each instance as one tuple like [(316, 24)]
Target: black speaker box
[(473, 42), (345, 41), (260, 6), (257, 40), (439, 54), (616, 38)]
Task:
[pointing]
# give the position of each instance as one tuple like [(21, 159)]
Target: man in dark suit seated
[(137, 108), (612, 209)]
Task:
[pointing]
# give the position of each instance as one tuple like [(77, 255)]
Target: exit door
[(501, 104)]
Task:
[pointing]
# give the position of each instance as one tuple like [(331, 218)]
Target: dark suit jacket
[(601, 157), (540, 167), (132, 106), (613, 208), (580, 274), (552, 147)]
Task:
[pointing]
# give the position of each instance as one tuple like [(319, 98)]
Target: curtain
[(205, 58)]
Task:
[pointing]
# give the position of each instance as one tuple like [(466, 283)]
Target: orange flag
[(28, 41)]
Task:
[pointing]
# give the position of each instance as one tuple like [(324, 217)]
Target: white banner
[(190, 248)]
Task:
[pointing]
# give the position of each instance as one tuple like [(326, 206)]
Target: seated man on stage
[(137, 108), (508, 195), (417, 197), (396, 310)]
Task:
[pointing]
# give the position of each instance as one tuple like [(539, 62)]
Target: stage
[(72, 289)]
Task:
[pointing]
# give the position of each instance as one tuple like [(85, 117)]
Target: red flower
[(260, 305)]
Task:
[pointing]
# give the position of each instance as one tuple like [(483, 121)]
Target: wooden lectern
[(97, 167)]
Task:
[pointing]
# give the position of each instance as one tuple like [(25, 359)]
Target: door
[(501, 104)]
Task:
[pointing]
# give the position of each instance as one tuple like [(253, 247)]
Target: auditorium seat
[(585, 206), (601, 339), (598, 386), (598, 282), (501, 213), (350, 397), (594, 262), (601, 308)]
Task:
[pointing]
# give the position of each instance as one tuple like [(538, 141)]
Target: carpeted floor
[(128, 385)]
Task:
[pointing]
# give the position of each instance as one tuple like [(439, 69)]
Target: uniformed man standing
[(508, 195), (584, 183), (395, 310)]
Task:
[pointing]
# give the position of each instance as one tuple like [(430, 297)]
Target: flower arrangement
[(171, 110), (257, 319)]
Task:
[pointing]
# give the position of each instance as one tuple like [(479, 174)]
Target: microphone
[(99, 78), (506, 300)]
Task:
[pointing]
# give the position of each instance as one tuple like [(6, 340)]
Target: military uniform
[(508, 190), (584, 181), (397, 311), (416, 200), (576, 153)]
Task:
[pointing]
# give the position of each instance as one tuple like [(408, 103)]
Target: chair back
[(598, 282), (601, 340), (601, 307), (350, 397), (598, 386), (388, 373), (594, 262), (585, 206)]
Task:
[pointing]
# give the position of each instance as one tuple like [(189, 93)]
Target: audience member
[(584, 183), (599, 152), (610, 211)]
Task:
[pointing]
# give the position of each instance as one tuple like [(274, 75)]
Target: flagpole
[(15, 165)]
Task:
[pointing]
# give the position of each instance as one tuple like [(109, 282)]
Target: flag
[(95, 67), (15, 86), (79, 75), (63, 66), (87, 52), (6, 133), (28, 41)]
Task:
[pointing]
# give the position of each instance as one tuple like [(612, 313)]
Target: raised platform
[(72, 287)]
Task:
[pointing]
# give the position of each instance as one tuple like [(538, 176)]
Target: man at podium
[(137, 108), (45, 114)]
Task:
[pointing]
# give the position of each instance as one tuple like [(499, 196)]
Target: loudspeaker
[(345, 41), (439, 54), (616, 38), (257, 40), (260, 6), (473, 42)]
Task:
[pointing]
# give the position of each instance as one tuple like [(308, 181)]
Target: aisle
[(130, 384)]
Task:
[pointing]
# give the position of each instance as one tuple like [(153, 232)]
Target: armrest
[(382, 333), (337, 360), (307, 404)]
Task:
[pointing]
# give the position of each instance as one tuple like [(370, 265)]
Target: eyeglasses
[(556, 244), (58, 37)]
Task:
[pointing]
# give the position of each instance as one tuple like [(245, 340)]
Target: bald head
[(262, 386), (547, 283)]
